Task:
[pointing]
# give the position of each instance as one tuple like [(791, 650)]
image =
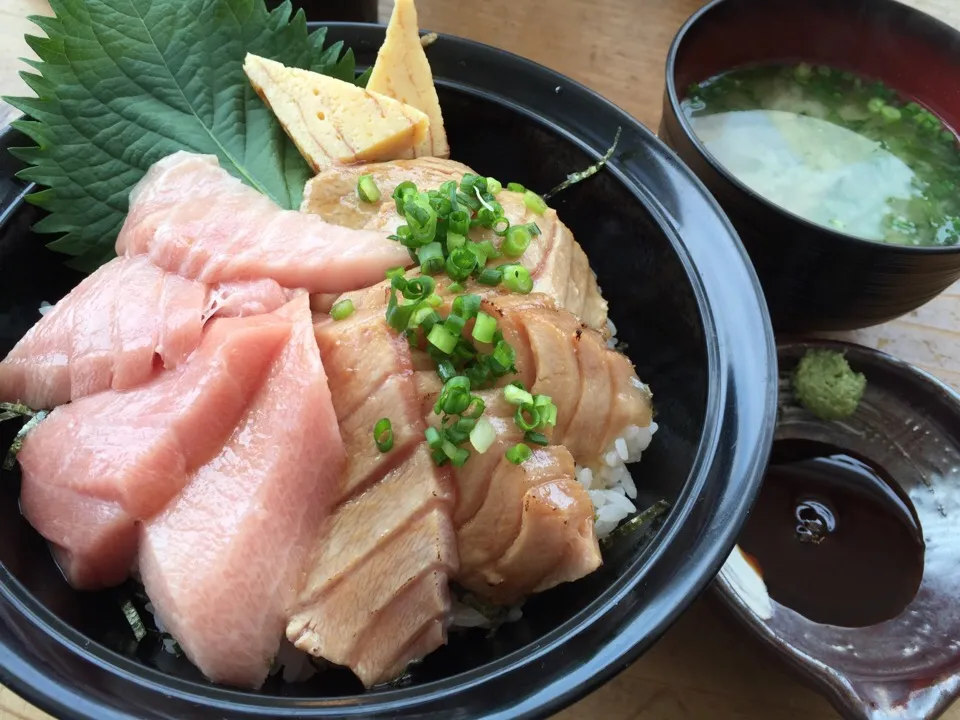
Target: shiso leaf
[(574, 178), (122, 83), (17, 443)]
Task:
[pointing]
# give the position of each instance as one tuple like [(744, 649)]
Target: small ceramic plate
[(908, 667)]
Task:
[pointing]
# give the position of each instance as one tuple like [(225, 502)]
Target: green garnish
[(119, 87), (516, 187), (534, 202), (493, 185), (484, 328), (536, 438), (133, 620), (10, 411), (367, 189), (517, 278), (638, 521), (383, 435), (574, 178), (517, 241), (342, 309), (825, 385), (519, 454)]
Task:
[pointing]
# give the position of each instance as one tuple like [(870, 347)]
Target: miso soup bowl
[(686, 301), (815, 278)]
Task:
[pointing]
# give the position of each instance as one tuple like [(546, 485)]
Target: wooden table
[(702, 669)]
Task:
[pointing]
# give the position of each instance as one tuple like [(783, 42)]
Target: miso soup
[(835, 149)]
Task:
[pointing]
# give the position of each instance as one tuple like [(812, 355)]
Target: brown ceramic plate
[(907, 667)]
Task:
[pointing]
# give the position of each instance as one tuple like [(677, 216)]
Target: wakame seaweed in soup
[(834, 148)]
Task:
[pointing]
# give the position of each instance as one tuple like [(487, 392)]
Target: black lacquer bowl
[(684, 298), (813, 277)]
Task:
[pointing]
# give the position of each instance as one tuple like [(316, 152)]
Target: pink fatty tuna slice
[(222, 564), (118, 327), (96, 467), (195, 219)]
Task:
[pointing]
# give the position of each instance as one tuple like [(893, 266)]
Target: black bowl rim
[(738, 351), (676, 108)]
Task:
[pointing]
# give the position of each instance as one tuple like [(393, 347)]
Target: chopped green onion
[(460, 263), (442, 339), (534, 202), (486, 204), (461, 457), (483, 435), (484, 328), (527, 417), (466, 306), (490, 276), (454, 323), (342, 310), (500, 226), (536, 438), (398, 316), (474, 408), (493, 185), (403, 191), (421, 219), (518, 454), (486, 217), (439, 457), (454, 240), (430, 257), (516, 242), (458, 222), (479, 252), (434, 439), (383, 435), (433, 300), (419, 288), (517, 278), (395, 272), (488, 248), (516, 187), (517, 395), (367, 189), (503, 358), (445, 370), (455, 288)]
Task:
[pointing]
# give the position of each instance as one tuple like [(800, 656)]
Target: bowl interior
[(652, 303), (879, 39)]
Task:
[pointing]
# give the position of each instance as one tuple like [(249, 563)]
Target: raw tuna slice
[(195, 219), (96, 467), (223, 562), (118, 326), (375, 596)]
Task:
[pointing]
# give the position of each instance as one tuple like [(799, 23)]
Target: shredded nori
[(574, 178), (133, 619), (639, 521), (11, 459)]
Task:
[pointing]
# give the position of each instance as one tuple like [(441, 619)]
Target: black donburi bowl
[(687, 303), (813, 277)]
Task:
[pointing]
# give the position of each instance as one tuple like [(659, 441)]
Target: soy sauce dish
[(847, 566), (828, 133), (689, 308)]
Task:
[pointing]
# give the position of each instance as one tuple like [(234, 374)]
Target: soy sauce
[(834, 537)]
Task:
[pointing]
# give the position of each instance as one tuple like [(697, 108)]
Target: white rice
[(610, 484)]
